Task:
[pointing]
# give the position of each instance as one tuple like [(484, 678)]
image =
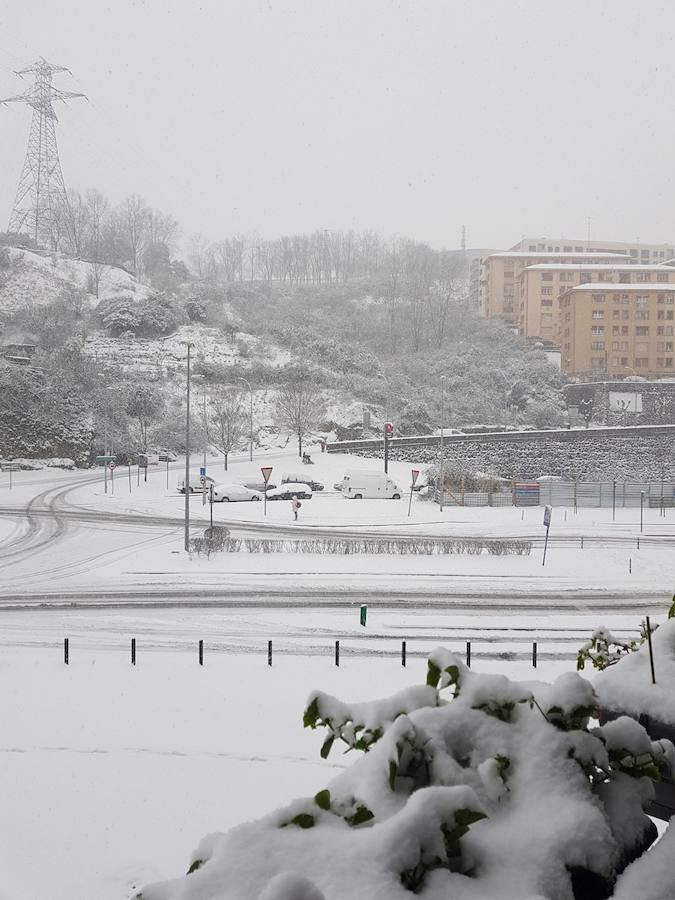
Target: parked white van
[(369, 485)]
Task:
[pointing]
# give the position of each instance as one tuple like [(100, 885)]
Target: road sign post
[(211, 505), (266, 472), (415, 476), (547, 522), (388, 432), (111, 466), (202, 478)]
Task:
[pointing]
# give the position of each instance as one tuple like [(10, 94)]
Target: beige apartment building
[(618, 328), (500, 276), (638, 252), (541, 286)]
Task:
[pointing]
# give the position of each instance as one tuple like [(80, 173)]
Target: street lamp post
[(250, 421), (187, 455), (440, 474), (385, 436)]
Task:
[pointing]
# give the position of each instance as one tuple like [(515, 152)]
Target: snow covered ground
[(111, 774)]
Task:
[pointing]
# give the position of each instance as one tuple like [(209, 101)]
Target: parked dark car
[(297, 478)]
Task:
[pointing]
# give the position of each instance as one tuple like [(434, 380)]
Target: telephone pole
[(41, 206)]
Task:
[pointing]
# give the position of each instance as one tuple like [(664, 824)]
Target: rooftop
[(622, 267), (599, 287), (538, 254)]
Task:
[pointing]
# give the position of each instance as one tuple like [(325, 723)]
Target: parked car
[(195, 486), (257, 484), (224, 493), (290, 490), (370, 485), (296, 478)]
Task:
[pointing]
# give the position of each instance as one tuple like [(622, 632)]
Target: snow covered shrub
[(469, 787), (604, 649)]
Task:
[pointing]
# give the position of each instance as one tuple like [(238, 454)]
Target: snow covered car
[(257, 484), (229, 493), (290, 490), (296, 478), (195, 486)]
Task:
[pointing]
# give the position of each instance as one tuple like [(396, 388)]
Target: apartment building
[(500, 276), (638, 252), (541, 286), (618, 328)]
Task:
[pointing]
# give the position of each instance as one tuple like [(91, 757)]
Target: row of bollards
[(404, 652)]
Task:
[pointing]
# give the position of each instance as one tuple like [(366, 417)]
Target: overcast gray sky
[(510, 116)]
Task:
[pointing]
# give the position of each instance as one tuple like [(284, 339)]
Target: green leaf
[(433, 674), (311, 714), (302, 820), (361, 815), (195, 865), (327, 744), (466, 817), (322, 799)]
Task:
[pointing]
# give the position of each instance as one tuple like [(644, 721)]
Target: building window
[(598, 298), (624, 360), (597, 345), (641, 362), (616, 314), (662, 277), (624, 329), (547, 276), (615, 345), (567, 249), (624, 278), (598, 330), (624, 345), (597, 364), (666, 314), (642, 330), (625, 314), (616, 330), (641, 315), (585, 278), (642, 300), (616, 361), (547, 302), (547, 290), (598, 314), (643, 276)]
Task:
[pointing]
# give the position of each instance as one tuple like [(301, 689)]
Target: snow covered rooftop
[(621, 267), (598, 287), (522, 254)]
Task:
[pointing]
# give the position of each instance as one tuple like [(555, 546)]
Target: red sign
[(266, 472), (111, 466), (415, 476), (388, 428)]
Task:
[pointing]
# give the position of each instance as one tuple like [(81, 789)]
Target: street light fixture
[(440, 476), (187, 455), (250, 423)]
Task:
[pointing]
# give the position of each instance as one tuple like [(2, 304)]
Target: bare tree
[(227, 415), (134, 217), (300, 404)]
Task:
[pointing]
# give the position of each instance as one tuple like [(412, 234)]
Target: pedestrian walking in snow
[(295, 506)]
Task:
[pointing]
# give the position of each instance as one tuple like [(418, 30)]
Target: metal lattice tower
[(41, 200)]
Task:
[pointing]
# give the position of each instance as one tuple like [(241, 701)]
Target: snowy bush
[(376, 546), (470, 787)]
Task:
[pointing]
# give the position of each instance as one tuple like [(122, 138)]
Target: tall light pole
[(187, 455), (440, 475), (250, 421), (385, 436)]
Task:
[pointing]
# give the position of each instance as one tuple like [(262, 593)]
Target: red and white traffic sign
[(202, 478), (112, 465), (266, 472), (415, 476)]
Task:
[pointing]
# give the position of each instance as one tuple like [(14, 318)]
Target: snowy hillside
[(34, 278)]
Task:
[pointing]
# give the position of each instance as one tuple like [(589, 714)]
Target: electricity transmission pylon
[(41, 201)]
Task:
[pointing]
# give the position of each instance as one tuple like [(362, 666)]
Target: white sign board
[(625, 401)]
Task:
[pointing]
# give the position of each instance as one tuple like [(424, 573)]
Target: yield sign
[(266, 472), (415, 475)]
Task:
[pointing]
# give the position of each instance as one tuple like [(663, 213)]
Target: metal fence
[(608, 494)]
